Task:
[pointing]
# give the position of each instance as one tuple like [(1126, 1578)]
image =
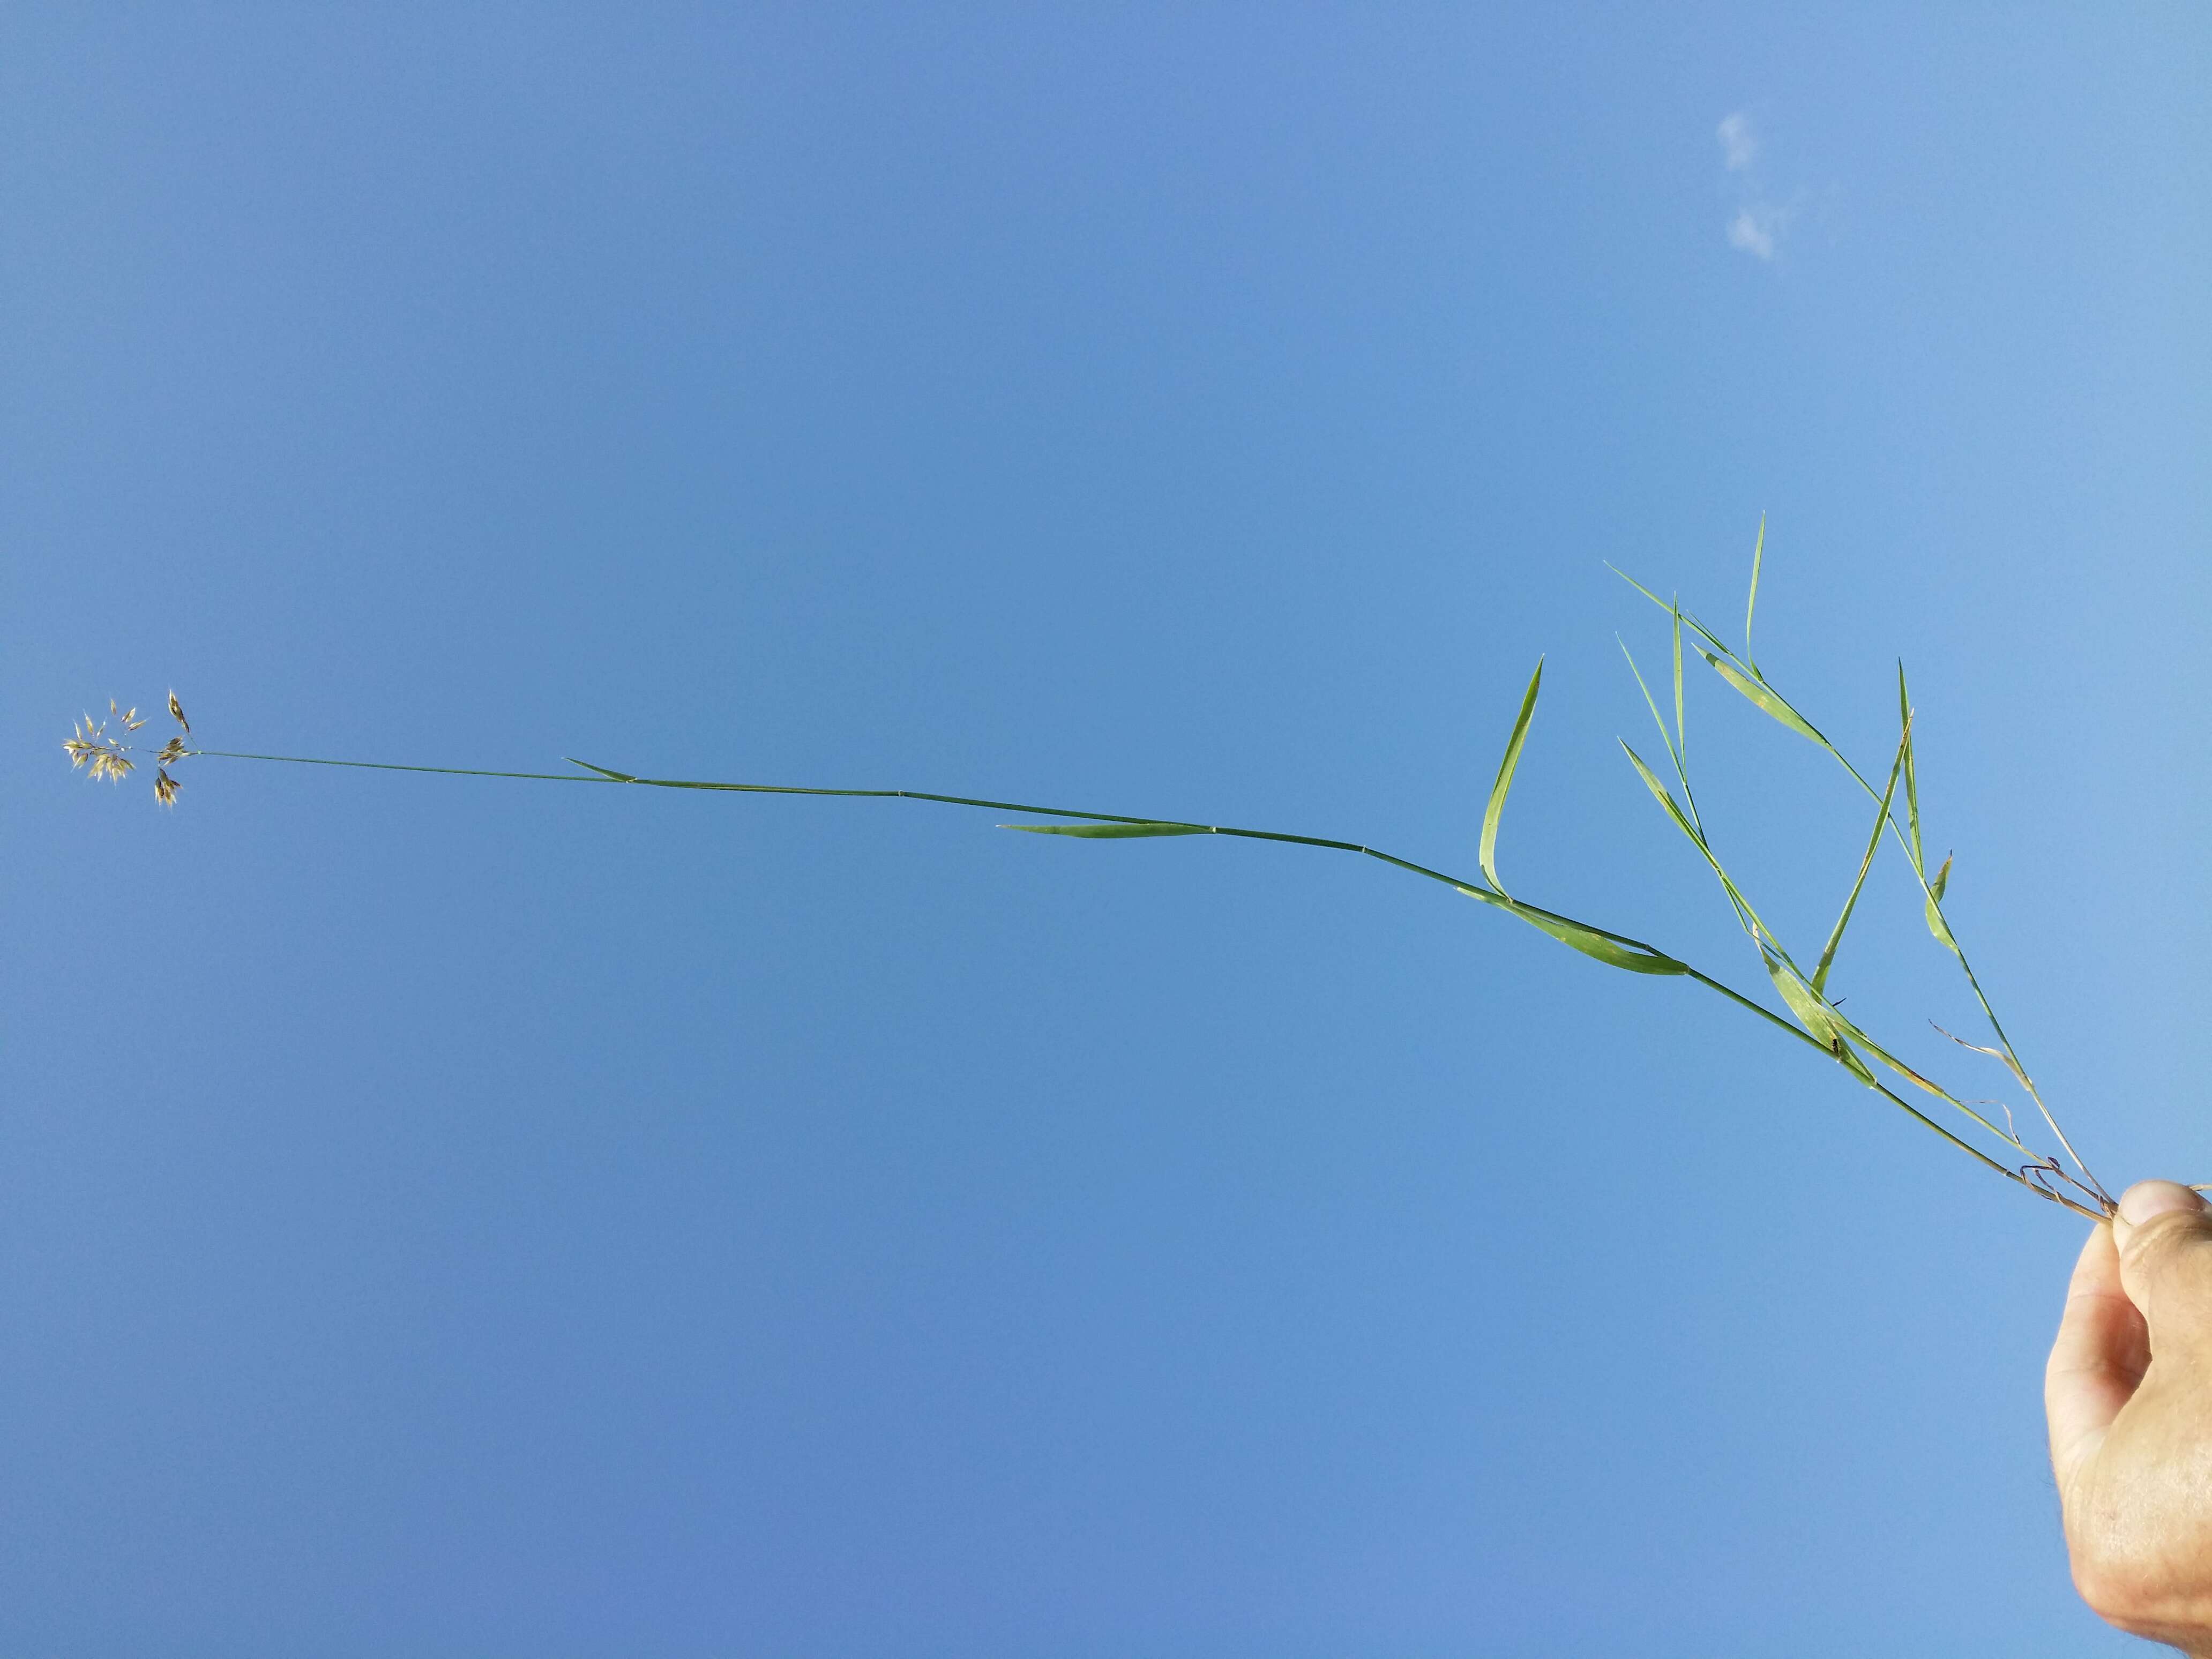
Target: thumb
[(2164, 1232)]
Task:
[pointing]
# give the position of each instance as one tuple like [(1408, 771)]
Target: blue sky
[(478, 1218)]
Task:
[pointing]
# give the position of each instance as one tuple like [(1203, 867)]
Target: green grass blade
[(1488, 855), (1665, 797), (1818, 1019), (1766, 698), (1931, 907), (1811, 1014), (1651, 703), (1751, 604), (1801, 1003), (1911, 774), (1607, 948), (1681, 728), (607, 773), (1111, 831), (1874, 842), (1638, 585), (1696, 627), (1676, 753)]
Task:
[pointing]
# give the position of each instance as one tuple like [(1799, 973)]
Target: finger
[(2164, 1235), (2102, 1349)]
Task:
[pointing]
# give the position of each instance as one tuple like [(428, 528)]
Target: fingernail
[(2146, 1198)]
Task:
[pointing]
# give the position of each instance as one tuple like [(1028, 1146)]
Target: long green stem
[(1535, 915)]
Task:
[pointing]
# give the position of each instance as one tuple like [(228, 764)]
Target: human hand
[(2129, 1395)]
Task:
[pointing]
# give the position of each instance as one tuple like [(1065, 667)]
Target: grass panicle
[(113, 757)]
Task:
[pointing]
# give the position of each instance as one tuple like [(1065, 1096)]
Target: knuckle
[(2171, 1249)]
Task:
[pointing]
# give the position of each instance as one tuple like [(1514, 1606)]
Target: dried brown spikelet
[(164, 788), (174, 749), (177, 712)]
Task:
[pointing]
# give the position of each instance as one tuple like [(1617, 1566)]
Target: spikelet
[(84, 742)]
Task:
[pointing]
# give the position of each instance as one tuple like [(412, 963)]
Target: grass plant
[(1813, 1018)]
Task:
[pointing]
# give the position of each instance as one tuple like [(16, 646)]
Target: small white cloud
[(1754, 229), (1739, 144), (1757, 224)]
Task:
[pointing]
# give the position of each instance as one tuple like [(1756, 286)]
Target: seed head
[(177, 712), (164, 788), (90, 746)]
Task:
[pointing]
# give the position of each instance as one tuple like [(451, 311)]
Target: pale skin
[(2129, 1395)]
